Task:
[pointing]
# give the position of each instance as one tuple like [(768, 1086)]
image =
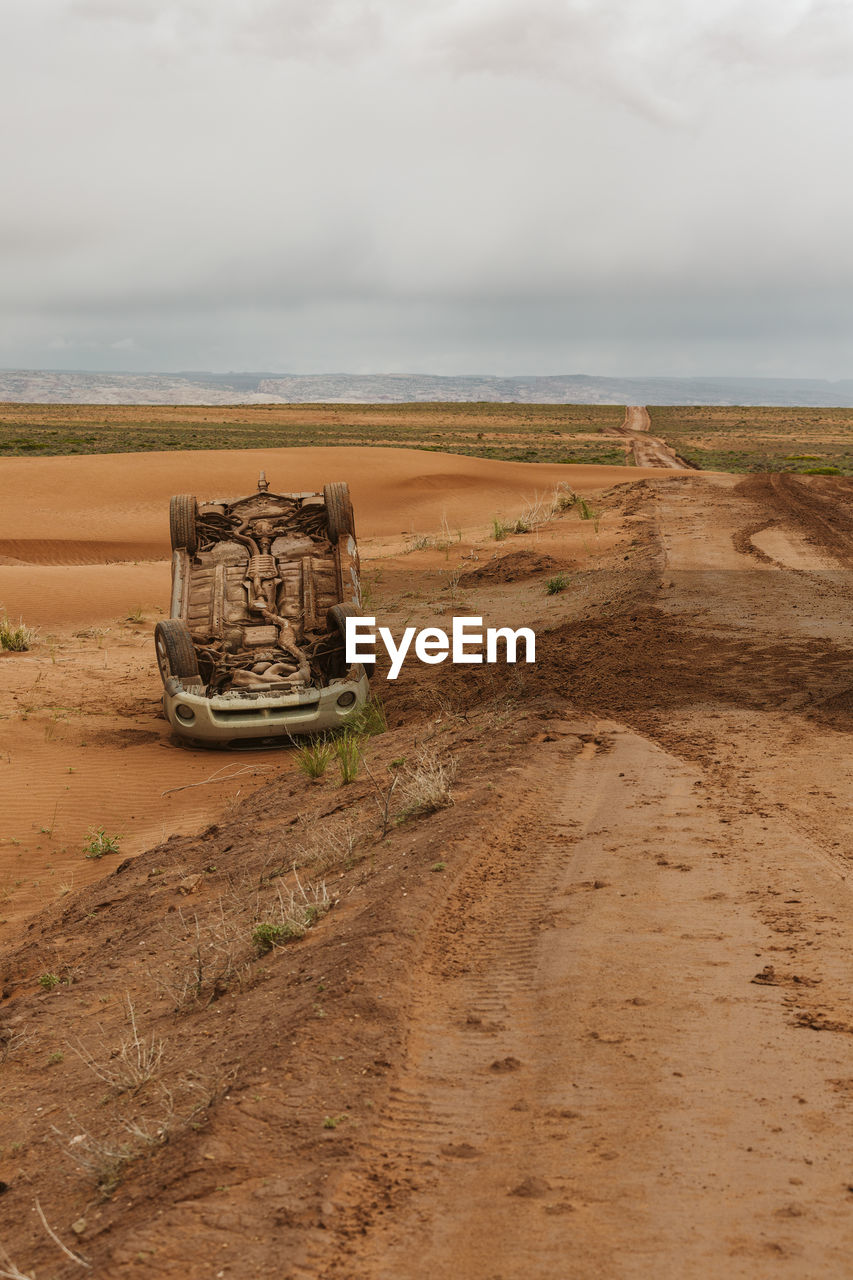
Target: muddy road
[(592, 1019)]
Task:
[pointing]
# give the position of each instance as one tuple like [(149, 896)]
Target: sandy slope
[(87, 513), (119, 498)]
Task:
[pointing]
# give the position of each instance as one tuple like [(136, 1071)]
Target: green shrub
[(98, 843), (267, 935), (555, 585), (370, 719), (315, 757), (348, 750)]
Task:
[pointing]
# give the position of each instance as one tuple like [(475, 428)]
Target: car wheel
[(336, 621), (176, 655), (183, 512), (339, 514)]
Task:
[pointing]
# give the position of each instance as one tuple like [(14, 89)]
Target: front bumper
[(261, 720)]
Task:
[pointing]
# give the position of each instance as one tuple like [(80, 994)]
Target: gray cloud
[(623, 186)]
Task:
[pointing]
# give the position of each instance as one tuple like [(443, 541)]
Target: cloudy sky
[(448, 186)]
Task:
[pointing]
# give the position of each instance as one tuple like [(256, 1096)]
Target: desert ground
[(591, 1015), (730, 438)]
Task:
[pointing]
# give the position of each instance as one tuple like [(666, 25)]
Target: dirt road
[(593, 1019), (648, 450), (629, 1036)]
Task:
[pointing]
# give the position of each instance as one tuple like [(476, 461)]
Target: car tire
[(183, 513), (336, 620), (339, 513), (176, 655)]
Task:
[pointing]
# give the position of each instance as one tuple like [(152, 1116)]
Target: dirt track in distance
[(594, 1018), (648, 450)]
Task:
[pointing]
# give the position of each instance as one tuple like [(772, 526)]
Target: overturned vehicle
[(253, 652)]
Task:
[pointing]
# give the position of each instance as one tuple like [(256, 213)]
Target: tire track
[(578, 1095), (478, 975), (647, 449)]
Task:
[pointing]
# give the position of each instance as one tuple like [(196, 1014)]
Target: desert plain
[(591, 1015)]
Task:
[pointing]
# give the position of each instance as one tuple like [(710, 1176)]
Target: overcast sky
[(445, 186)]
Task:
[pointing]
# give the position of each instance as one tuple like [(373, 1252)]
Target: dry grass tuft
[(8, 1270), (324, 845), (16, 639), (291, 915), (136, 1061), (215, 961), (425, 785), (314, 758)]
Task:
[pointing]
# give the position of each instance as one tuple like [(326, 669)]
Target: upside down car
[(253, 651)]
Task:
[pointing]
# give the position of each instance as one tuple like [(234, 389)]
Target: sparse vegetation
[(11, 1041), (314, 758), (322, 846), (267, 935), (99, 844), (136, 1060), (370, 719), (425, 785), (757, 438), (106, 1157), (564, 498), (348, 753), (418, 544), (293, 914), (217, 959), (383, 796), (536, 512), (9, 1271), (555, 585), (47, 981), (16, 639), (517, 432)]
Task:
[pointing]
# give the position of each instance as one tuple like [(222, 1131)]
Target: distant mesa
[(43, 386)]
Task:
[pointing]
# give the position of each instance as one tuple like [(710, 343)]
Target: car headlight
[(185, 713), (346, 699)]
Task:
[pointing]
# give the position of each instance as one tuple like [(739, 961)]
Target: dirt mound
[(513, 567)]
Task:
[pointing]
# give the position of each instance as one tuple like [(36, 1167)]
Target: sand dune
[(79, 519), (119, 501)]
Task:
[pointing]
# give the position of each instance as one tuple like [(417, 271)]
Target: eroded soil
[(593, 1018)]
